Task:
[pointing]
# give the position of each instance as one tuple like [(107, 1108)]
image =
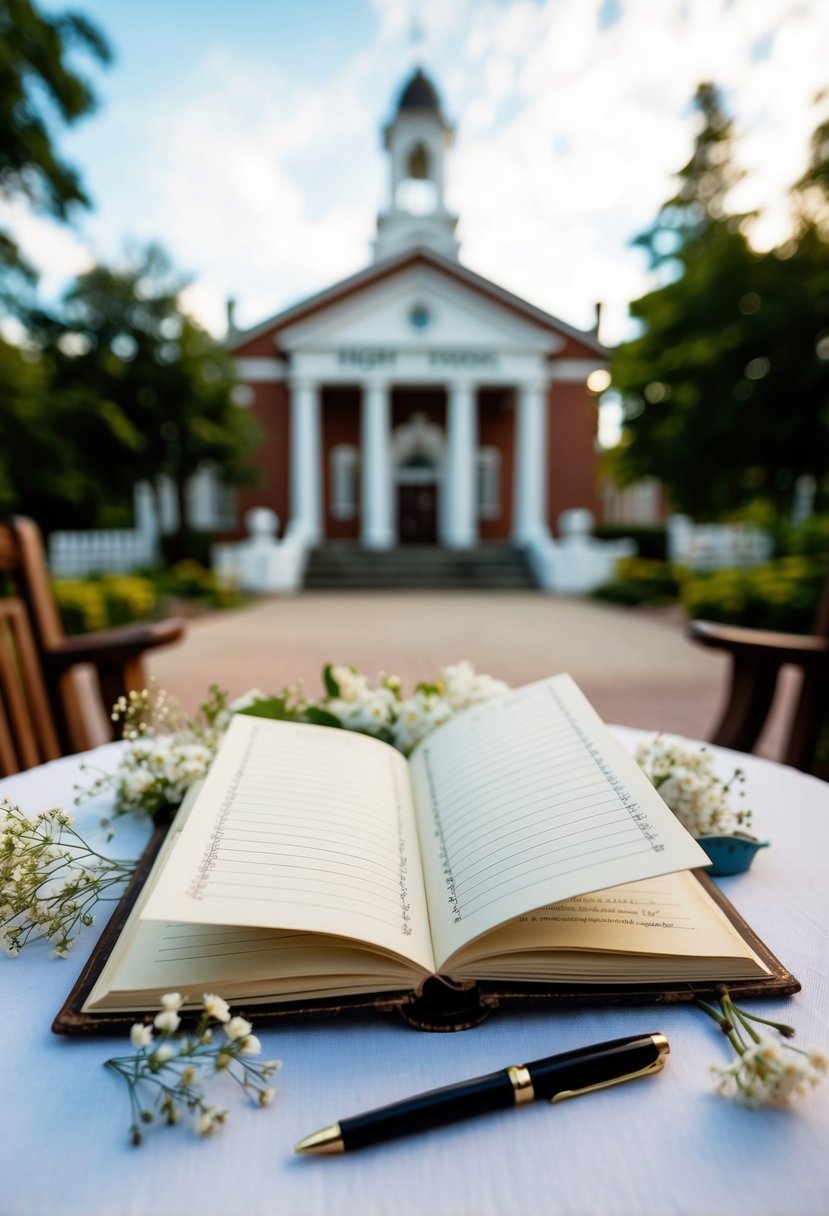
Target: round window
[(419, 317)]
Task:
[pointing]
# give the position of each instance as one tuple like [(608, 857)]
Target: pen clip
[(655, 1066)]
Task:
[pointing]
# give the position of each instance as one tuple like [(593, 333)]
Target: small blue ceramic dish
[(730, 854)]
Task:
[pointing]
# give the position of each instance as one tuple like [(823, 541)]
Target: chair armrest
[(113, 646), (760, 645)]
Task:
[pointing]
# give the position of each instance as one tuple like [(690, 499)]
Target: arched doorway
[(417, 453)]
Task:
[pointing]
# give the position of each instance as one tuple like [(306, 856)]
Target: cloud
[(57, 253), (265, 186)]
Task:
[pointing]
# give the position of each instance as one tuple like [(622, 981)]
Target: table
[(666, 1144)]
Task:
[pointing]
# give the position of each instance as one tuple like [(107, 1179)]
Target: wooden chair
[(28, 735), (81, 677), (757, 657)]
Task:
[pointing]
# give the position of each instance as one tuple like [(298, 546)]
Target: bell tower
[(417, 139)]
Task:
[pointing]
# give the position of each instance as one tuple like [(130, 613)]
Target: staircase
[(344, 566)]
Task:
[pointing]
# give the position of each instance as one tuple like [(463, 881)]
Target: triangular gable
[(548, 332)]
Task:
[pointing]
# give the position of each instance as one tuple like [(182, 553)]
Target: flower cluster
[(169, 1066), (379, 708), (686, 779), (765, 1070), (165, 752), (50, 879)]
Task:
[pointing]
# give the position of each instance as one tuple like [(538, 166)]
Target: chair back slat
[(27, 730), (23, 557)]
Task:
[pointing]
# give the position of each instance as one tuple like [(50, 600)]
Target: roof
[(409, 257), (419, 94)]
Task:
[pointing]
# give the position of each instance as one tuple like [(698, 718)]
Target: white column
[(306, 469), (530, 499), (460, 516), (378, 530)]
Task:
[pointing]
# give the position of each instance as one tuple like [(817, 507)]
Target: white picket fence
[(716, 546), (115, 550), (119, 550)]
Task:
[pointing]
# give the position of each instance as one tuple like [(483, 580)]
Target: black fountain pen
[(554, 1078)]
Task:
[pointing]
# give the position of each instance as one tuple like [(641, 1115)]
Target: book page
[(658, 926), (301, 828), (527, 800)]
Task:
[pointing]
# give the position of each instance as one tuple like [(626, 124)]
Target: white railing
[(716, 546), (263, 562), (577, 563), (116, 550)]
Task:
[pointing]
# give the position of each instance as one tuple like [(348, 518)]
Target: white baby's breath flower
[(215, 1007), (249, 1045), (141, 1035), (207, 1121), (237, 1028), (168, 1021), (247, 698), (171, 1000), (770, 1073), (686, 778), (163, 1053), (266, 1096)]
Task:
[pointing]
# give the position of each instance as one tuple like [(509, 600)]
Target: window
[(489, 483), (344, 481)]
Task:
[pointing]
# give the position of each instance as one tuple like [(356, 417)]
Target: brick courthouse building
[(417, 401)]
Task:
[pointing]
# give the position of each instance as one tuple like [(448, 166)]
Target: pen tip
[(328, 1140)]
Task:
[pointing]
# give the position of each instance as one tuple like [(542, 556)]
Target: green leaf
[(331, 685), (275, 708), (321, 717)]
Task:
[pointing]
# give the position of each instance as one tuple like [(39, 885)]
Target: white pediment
[(385, 314)]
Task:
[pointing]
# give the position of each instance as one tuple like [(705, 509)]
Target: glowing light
[(598, 381)]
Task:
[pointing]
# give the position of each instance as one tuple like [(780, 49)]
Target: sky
[(245, 137)]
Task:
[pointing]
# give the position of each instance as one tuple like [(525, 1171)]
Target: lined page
[(670, 917), (306, 828), (527, 800)]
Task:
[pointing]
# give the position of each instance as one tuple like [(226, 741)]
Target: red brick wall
[(573, 459), (271, 409), (496, 428), (340, 424)]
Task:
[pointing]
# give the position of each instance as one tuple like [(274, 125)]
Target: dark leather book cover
[(440, 1004)]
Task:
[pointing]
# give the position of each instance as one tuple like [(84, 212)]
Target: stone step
[(342, 566)]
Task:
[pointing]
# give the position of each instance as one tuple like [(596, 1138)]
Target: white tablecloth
[(666, 1144)]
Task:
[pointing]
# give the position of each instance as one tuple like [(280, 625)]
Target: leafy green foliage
[(39, 83), (726, 388), (781, 595), (144, 390), (642, 580), (651, 540)]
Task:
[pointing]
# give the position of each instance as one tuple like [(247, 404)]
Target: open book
[(519, 842)]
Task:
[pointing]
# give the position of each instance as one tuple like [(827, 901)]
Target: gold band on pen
[(522, 1083)]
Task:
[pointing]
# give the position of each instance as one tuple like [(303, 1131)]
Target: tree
[(39, 82), (143, 390), (725, 398)]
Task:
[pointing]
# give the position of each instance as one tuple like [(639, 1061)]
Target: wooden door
[(418, 514)]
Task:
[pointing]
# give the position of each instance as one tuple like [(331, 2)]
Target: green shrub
[(651, 540), (128, 597), (193, 547), (81, 604), (809, 539), (189, 580), (781, 595), (641, 580)]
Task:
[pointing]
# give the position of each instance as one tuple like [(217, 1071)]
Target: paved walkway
[(635, 666)]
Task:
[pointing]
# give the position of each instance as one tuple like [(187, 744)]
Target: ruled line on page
[(519, 797), (304, 817)]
